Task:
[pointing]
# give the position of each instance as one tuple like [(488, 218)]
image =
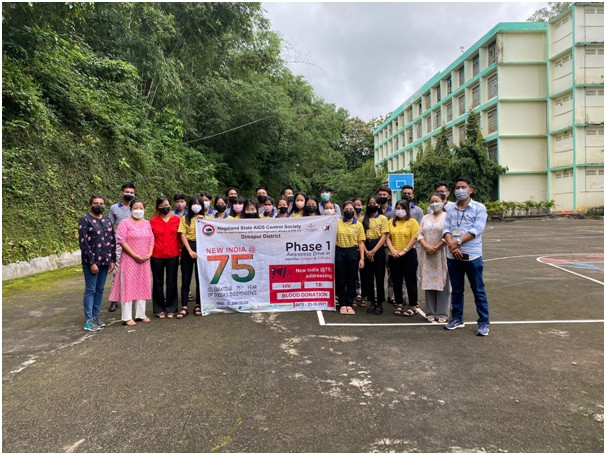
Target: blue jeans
[(473, 269), (93, 290)]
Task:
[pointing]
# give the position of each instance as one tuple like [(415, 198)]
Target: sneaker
[(483, 329), (454, 324), (98, 322), (90, 326)]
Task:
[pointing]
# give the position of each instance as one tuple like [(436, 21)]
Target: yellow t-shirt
[(349, 234), (402, 232), (297, 215), (377, 226), (188, 230)]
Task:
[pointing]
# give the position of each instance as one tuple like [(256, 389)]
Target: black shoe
[(113, 306)]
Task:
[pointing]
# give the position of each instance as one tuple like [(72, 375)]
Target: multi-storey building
[(539, 89)]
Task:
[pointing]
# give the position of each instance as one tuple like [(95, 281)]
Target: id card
[(456, 232)]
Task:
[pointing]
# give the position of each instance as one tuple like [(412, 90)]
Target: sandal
[(170, 315), (363, 303), (350, 310), (399, 310), (371, 309), (442, 320), (143, 319), (129, 323), (183, 313), (431, 319), (197, 311), (378, 310), (343, 310), (392, 300), (410, 312), (161, 315)]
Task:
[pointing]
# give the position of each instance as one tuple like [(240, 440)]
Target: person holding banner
[(311, 206), (132, 283), (187, 231), (376, 229), (349, 256), (237, 207), (403, 231), (269, 211), (207, 198), (298, 207), (165, 259), (221, 208)]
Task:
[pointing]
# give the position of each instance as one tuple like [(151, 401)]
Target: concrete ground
[(285, 383)]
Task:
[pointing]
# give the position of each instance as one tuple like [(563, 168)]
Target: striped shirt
[(349, 235), (402, 232), (473, 220), (377, 226)]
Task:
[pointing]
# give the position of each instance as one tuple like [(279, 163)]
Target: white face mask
[(196, 208), (436, 206), (206, 205), (138, 214), (400, 213), (329, 211)]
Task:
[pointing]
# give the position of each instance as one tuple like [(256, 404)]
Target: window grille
[(476, 65), (492, 121), (475, 96), (492, 86)]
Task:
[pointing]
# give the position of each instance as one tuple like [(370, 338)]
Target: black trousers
[(189, 267), (403, 269), (374, 272), (158, 268), (346, 271)]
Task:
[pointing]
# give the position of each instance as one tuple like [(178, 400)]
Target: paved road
[(284, 383)]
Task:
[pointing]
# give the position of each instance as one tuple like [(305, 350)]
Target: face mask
[(98, 209), (436, 206), (196, 208), (262, 199), (164, 210), (400, 213), (128, 196), (325, 197), (311, 208), (382, 200), (206, 204), (268, 208), (348, 214), (233, 199), (462, 194), (372, 209), (329, 211), (138, 214), (180, 205), (220, 208), (238, 207), (406, 197), (290, 199), (283, 209), (300, 204), (358, 209), (251, 215)]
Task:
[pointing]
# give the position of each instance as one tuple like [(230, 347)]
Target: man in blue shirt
[(462, 232)]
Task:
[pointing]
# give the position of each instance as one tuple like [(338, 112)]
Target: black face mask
[(232, 199), (221, 208), (262, 199), (283, 209), (406, 197), (348, 214), (358, 209), (382, 200), (372, 208), (128, 197), (290, 199), (164, 210), (98, 209), (311, 208), (251, 215)]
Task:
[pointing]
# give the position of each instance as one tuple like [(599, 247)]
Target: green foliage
[(507, 209), (444, 163), (549, 12)]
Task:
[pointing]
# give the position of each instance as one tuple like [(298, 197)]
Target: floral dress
[(434, 272)]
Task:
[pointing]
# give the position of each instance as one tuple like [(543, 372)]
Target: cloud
[(370, 57)]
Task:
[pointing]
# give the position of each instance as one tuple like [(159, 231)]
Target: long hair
[(366, 220), (193, 200), (403, 203)]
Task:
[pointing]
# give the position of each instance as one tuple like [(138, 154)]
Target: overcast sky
[(370, 57)]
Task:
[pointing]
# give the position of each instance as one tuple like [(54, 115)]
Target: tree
[(432, 166), (549, 12)]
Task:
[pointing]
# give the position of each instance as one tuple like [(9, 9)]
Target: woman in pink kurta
[(133, 281), (432, 261)]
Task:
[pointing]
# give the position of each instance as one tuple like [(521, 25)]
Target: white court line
[(566, 270)]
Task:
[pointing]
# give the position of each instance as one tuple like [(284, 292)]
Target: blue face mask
[(462, 194), (325, 197)]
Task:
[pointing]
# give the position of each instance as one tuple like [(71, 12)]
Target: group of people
[(434, 251)]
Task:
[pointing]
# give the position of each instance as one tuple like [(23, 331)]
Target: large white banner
[(267, 264)]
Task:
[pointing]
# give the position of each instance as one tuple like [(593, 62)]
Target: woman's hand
[(193, 254), (94, 269), (361, 263), (370, 255)]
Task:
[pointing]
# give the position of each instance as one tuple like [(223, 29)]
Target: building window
[(427, 100), (449, 112), (476, 65), (449, 136), (420, 106), (462, 133), (437, 120), (449, 85), (419, 130), (461, 104), (475, 96), (492, 121), (493, 152), (461, 75), (428, 122), (590, 172), (438, 93), (492, 86), (492, 53), (397, 143)]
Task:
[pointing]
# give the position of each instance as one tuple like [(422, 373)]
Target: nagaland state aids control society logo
[(208, 230)]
